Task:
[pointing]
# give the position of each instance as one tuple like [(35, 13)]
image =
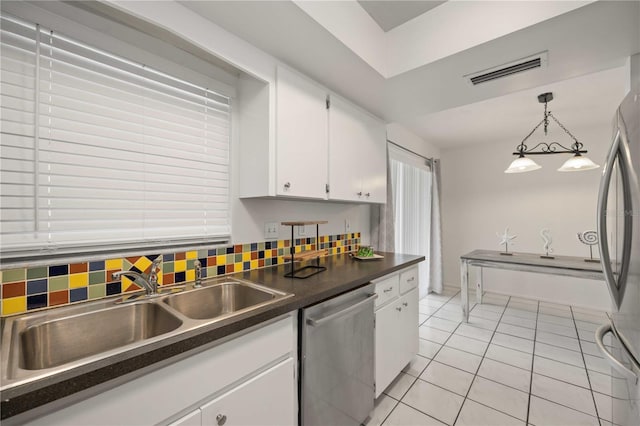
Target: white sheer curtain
[(411, 182)]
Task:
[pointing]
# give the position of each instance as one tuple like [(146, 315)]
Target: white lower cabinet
[(259, 401), (396, 332), (250, 380)]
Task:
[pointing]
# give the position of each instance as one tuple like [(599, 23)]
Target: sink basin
[(220, 299), (62, 340)]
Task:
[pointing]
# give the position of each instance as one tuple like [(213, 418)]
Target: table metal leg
[(464, 287), (479, 287)]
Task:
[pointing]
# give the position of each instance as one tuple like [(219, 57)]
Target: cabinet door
[(409, 331), (373, 164), (301, 136), (192, 419), (267, 399), (347, 133), (388, 345)]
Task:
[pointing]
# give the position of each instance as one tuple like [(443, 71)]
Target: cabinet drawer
[(386, 289), (408, 280)]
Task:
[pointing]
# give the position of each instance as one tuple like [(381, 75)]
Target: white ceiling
[(390, 14), (433, 100)]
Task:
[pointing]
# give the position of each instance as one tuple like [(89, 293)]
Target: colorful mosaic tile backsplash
[(26, 289)]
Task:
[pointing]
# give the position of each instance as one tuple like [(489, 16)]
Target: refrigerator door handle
[(619, 151), (613, 361), (603, 243)]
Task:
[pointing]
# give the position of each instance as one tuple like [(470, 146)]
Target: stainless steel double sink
[(57, 340)]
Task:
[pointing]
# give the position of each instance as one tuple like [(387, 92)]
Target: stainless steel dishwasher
[(337, 360)]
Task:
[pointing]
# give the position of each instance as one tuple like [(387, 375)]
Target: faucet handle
[(153, 273), (198, 267)]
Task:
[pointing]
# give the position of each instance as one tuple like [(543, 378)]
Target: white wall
[(480, 200), (404, 137)]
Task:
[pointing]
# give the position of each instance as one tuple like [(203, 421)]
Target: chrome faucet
[(148, 282)]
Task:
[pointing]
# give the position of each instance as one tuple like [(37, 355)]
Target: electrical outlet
[(302, 231), (347, 226), (271, 230)]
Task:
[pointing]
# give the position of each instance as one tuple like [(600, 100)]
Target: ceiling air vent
[(531, 62)]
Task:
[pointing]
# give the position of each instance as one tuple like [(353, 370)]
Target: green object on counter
[(365, 252)]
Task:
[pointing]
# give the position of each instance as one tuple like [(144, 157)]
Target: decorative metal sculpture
[(589, 238), (546, 237), (505, 238)]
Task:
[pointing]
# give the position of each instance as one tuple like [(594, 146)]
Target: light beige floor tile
[(404, 415), (459, 359), (382, 408), (434, 401), (561, 371), (563, 393), (547, 413), (505, 374), (416, 366), (399, 386), (500, 397), (474, 414), (447, 377)]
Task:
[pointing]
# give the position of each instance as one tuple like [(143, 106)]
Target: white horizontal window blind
[(99, 152)]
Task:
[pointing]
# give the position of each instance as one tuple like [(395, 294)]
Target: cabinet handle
[(387, 290), (411, 279), (405, 304), (368, 194), (287, 185), (221, 419), (359, 194), (398, 309)]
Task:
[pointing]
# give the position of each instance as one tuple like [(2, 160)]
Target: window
[(101, 153), (411, 192)]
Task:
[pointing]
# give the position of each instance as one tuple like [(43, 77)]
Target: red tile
[(260, 263), (237, 248), (109, 276), (229, 269), (274, 253), (254, 255), (59, 298), (13, 290), (133, 259), (181, 256), (212, 261), (76, 268), (287, 243), (168, 279)]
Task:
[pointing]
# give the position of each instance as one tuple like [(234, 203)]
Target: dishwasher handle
[(615, 363), (319, 321)]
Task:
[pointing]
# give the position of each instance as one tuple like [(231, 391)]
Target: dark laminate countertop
[(343, 274)]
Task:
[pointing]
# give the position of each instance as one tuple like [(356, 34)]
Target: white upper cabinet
[(301, 136), (357, 154), (293, 144)]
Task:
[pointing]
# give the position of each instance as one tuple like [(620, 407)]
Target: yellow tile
[(254, 264), (160, 278), (339, 243), (180, 265), (78, 280), (221, 259), (126, 283), (143, 263), (298, 249), (112, 264), (246, 256), (14, 305), (191, 275), (192, 254), (280, 243), (237, 267)]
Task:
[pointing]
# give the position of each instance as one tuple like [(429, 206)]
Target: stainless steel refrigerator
[(619, 231)]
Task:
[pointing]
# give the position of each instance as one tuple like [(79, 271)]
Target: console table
[(569, 266)]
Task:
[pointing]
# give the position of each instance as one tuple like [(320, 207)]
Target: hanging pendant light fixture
[(576, 163)]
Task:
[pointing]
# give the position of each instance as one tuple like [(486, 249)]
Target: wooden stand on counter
[(309, 270)]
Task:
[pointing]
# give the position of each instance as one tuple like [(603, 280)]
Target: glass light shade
[(578, 163), (521, 165)]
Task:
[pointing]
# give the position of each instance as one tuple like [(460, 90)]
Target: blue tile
[(57, 270), (37, 301), (230, 250), (261, 254), (152, 257), (114, 288), (254, 246), (246, 266), (167, 257), (96, 266), (37, 286), (78, 294), (221, 270), (267, 245), (180, 277), (203, 262), (212, 252)]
